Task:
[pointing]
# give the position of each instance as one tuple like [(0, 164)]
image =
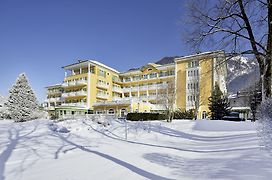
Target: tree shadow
[(124, 164), (17, 134), (179, 134), (170, 147), (248, 166)]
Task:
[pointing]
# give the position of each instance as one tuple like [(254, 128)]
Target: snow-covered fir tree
[(218, 104), (22, 102), (3, 111)]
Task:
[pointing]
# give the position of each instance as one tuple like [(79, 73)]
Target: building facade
[(92, 87)]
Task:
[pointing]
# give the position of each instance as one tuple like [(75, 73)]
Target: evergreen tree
[(218, 104), (22, 102)]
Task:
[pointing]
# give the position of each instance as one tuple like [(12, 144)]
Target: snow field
[(182, 149)]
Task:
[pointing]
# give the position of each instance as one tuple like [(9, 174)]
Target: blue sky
[(39, 37)]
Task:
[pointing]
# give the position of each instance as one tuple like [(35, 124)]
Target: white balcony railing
[(102, 85), (143, 88), (102, 96), (81, 93), (152, 97), (126, 90), (51, 108), (78, 104), (75, 93), (152, 87), (81, 82), (56, 99), (54, 92), (74, 83), (117, 89), (116, 98)]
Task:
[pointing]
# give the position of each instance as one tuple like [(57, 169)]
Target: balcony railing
[(117, 89), (75, 93), (74, 83), (102, 85), (81, 93), (56, 99), (102, 96), (78, 104), (116, 98), (81, 82), (54, 92)]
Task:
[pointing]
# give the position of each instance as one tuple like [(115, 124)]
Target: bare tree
[(167, 98), (239, 26), (196, 97)]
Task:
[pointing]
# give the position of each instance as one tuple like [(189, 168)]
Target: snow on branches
[(22, 102)]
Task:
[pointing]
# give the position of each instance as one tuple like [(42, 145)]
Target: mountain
[(242, 73), (167, 60)]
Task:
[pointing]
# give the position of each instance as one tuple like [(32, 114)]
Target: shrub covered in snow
[(56, 128), (264, 115), (3, 109), (22, 101)]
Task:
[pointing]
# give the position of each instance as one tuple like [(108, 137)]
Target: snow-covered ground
[(82, 149)]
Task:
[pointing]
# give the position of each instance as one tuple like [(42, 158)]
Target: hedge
[(145, 116)]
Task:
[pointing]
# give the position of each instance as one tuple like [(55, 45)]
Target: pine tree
[(22, 102), (218, 104)]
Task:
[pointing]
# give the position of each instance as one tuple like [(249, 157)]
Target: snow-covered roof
[(103, 65), (199, 54), (54, 85), (85, 62)]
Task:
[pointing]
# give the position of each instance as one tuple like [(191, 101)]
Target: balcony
[(126, 90), (73, 94), (143, 88), (116, 80), (152, 97), (152, 87), (52, 92), (78, 104), (51, 108), (81, 93), (117, 89), (75, 83), (56, 99), (110, 103), (102, 96), (116, 98), (81, 82), (102, 85)]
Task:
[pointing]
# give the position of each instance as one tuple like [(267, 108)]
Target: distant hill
[(167, 60), (242, 73)]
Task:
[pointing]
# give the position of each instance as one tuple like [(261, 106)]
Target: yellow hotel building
[(92, 87)]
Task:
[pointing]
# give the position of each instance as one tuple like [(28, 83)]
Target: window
[(145, 76), (99, 111), (102, 73), (204, 115), (153, 75), (193, 64), (110, 111), (127, 79)]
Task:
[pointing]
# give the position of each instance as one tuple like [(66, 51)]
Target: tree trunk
[(267, 69)]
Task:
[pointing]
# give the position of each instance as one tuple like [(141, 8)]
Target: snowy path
[(156, 150)]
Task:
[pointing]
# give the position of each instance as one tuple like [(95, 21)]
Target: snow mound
[(219, 125), (56, 128)]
